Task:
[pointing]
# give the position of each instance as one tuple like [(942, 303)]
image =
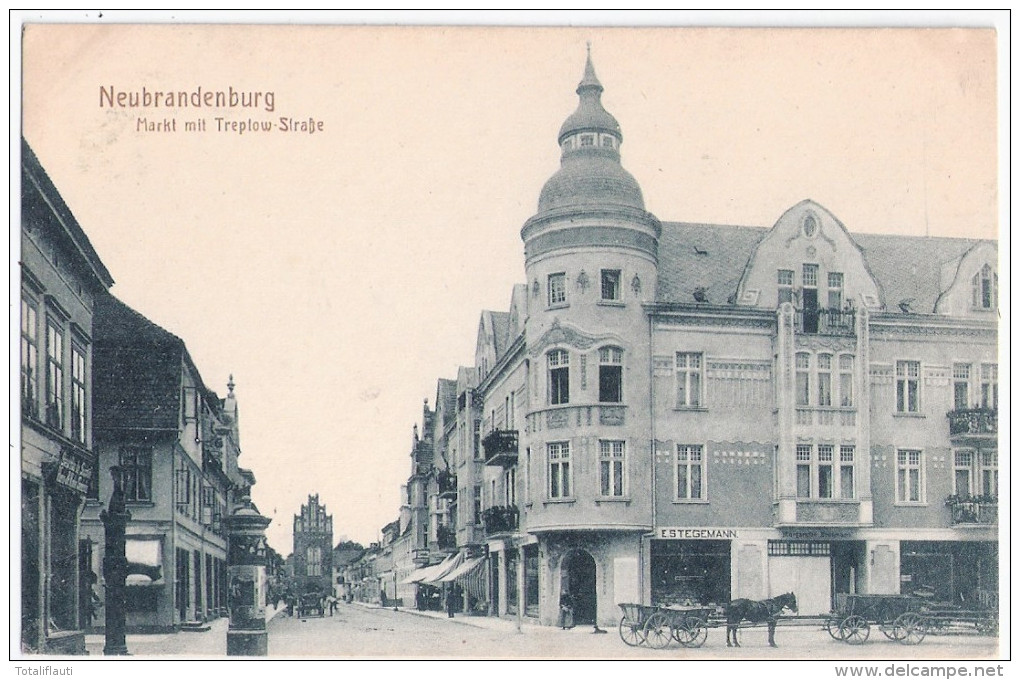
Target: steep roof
[(713, 256), (500, 330), (446, 396), (35, 185), (137, 370)]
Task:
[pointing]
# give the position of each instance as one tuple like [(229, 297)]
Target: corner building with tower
[(674, 412)]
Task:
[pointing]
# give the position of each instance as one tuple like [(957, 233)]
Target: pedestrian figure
[(382, 596), (566, 611), (451, 599)]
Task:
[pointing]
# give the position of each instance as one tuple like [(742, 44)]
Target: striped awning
[(433, 573), (465, 568)]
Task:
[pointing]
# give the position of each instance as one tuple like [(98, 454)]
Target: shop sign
[(73, 470), (675, 533)]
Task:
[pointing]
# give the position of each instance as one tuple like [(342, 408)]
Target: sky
[(338, 275)]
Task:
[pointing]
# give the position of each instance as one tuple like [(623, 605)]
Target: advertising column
[(246, 574)]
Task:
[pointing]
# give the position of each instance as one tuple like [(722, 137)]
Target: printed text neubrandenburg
[(198, 97)]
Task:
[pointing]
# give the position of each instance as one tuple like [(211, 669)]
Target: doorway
[(578, 578)]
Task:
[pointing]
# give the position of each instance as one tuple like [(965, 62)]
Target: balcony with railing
[(826, 322), (447, 484), (982, 510), (501, 519), (979, 423), (501, 448)]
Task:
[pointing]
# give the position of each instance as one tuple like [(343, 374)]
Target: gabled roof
[(713, 257), (137, 370), (36, 185), (500, 329), (446, 396)]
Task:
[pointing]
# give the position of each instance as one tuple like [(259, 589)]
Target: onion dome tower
[(591, 258)]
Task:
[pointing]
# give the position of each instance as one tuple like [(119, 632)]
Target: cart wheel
[(910, 628), (854, 630), (691, 632), (631, 632), (890, 631), (658, 631), (832, 627)]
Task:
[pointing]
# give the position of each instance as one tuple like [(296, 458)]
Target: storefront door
[(578, 579)]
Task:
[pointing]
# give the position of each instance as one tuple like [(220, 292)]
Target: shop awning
[(431, 574), (465, 568)]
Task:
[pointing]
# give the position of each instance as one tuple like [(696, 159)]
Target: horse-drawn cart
[(657, 626), (900, 617)]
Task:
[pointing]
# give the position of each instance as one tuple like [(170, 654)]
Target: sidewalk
[(212, 642), (503, 625)]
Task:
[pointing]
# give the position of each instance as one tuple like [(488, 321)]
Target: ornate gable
[(808, 257), (970, 284)]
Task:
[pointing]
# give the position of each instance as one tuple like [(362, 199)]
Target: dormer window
[(587, 140), (608, 142), (985, 289)]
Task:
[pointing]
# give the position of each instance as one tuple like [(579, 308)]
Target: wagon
[(900, 617), (946, 618), (657, 626)]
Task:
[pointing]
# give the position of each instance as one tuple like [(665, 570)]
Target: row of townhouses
[(672, 412), (103, 387)]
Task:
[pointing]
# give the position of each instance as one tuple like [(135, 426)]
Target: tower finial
[(230, 384)]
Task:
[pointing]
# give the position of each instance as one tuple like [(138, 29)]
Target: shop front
[(690, 570), (962, 572)]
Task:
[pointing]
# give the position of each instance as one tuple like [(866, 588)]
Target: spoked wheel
[(832, 627), (910, 628), (691, 632), (631, 632), (987, 626), (658, 631), (890, 631), (854, 630)]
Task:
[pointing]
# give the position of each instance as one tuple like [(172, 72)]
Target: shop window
[(29, 360), (559, 376), (990, 386), (611, 290), (690, 472), (689, 379), (559, 469), (610, 375), (908, 386), (961, 386), (557, 289), (799, 548), (909, 476), (136, 464), (612, 464)]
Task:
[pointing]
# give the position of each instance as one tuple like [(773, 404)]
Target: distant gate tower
[(313, 548)]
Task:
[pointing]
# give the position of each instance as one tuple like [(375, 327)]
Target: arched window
[(611, 375), (985, 289), (559, 376)]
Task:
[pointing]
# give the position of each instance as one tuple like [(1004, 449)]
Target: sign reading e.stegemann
[(675, 533)]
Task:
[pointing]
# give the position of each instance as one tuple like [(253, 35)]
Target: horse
[(757, 612)]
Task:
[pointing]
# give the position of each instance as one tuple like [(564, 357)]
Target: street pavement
[(369, 632)]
